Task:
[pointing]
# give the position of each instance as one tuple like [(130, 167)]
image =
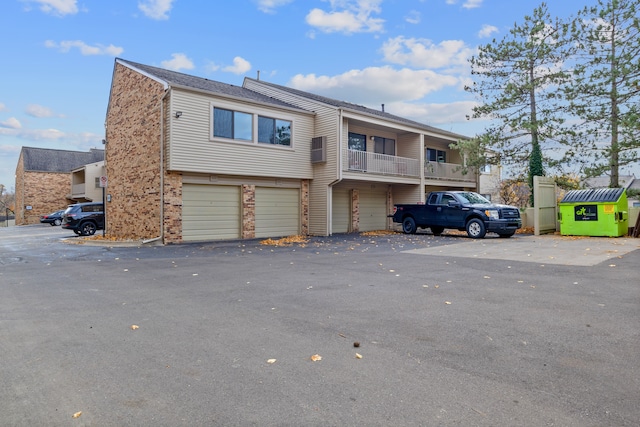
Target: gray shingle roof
[(185, 80), (200, 83), (360, 108), (48, 160)]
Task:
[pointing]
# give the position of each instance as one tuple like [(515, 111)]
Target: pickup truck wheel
[(476, 229), (437, 230), (409, 225)]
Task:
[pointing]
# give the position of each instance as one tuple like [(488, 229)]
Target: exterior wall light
[(178, 114)]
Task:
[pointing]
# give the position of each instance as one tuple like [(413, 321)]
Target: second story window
[(434, 155), (232, 124), (274, 131), (385, 145)]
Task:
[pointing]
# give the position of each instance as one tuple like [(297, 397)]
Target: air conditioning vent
[(319, 149)]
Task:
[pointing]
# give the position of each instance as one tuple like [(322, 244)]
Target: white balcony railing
[(382, 164), (449, 171), (78, 189)]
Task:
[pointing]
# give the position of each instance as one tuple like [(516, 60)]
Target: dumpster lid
[(593, 195)]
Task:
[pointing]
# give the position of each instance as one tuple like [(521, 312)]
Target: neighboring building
[(628, 182), (43, 180), (190, 159), (85, 182)]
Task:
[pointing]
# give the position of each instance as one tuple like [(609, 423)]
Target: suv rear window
[(92, 208)]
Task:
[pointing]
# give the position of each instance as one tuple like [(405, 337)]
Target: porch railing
[(77, 189), (382, 164), (450, 171)]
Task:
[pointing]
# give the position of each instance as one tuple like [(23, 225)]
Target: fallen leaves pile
[(285, 241), (378, 233)]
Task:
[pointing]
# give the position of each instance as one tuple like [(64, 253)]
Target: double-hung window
[(274, 131), (232, 124)]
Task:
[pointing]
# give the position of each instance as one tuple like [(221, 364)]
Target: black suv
[(84, 218)]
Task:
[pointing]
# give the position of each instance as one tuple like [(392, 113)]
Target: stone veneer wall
[(304, 195), (172, 207), (355, 210), (132, 157), (45, 192), (248, 211)]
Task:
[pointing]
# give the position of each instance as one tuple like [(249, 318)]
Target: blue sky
[(410, 55)]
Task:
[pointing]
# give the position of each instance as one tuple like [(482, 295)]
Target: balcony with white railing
[(78, 190), (381, 164), (448, 171)]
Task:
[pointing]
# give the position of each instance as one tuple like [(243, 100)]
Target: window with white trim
[(274, 131), (232, 124)]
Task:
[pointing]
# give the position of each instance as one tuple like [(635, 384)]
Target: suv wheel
[(88, 229)]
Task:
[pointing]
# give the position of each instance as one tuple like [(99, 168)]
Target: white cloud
[(3, 107), (269, 6), (57, 7), (11, 123), (34, 134), (39, 111), (156, 9), (66, 45), (413, 17), (179, 62), (240, 66), (375, 85), (52, 135), (487, 31), (433, 114), (472, 4), (354, 17), (468, 4), (424, 53)]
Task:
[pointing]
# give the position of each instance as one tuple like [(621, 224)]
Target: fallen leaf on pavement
[(271, 361), (134, 327), (77, 414), (316, 357), (358, 356)]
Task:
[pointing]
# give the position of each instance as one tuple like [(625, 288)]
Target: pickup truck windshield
[(474, 198)]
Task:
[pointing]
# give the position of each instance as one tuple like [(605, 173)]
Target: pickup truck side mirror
[(453, 204)]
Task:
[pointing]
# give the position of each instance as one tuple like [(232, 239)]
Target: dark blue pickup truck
[(460, 210)]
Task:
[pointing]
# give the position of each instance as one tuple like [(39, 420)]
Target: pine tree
[(516, 80), (605, 91)]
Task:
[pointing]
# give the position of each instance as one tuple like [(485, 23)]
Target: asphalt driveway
[(449, 332)]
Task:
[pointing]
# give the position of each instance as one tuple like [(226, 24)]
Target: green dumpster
[(594, 212)]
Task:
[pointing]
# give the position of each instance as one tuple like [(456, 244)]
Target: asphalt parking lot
[(404, 330)]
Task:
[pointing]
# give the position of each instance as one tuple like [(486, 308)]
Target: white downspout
[(332, 184), (162, 119)]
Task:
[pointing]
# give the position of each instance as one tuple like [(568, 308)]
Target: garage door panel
[(373, 210), (277, 212), (341, 211), (210, 212)]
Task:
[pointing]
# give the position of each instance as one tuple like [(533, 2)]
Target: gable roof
[(48, 160), (176, 79), (359, 109)]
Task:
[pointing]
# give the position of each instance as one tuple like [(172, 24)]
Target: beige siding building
[(190, 159)]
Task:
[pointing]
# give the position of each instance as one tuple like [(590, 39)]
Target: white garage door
[(277, 212), (210, 212), (373, 210), (341, 210)]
